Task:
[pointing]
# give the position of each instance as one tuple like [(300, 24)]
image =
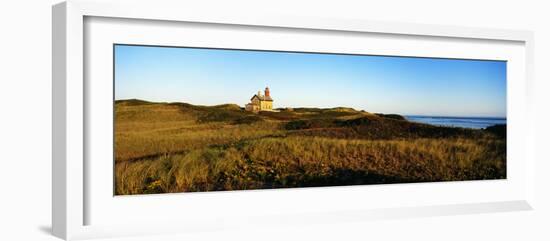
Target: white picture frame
[(73, 190)]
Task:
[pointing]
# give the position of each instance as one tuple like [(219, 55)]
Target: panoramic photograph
[(204, 119)]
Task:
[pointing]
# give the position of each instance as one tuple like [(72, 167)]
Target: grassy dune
[(178, 147)]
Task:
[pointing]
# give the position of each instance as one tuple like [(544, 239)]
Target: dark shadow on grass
[(338, 177), (346, 177)]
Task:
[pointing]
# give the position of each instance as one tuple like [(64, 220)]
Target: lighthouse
[(260, 102)]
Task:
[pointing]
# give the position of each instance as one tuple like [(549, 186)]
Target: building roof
[(262, 97)]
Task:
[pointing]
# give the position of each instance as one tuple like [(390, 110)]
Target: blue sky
[(401, 85)]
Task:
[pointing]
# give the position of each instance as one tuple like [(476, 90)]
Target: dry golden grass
[(162, 148), (152, 130)]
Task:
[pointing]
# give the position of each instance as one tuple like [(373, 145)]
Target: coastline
[(457, 121)]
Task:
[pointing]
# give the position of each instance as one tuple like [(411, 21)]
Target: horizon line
[(411, 115)]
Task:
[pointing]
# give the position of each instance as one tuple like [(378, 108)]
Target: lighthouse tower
[(260, 102)]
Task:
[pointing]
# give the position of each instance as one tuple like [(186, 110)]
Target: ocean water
[(465, 122)]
